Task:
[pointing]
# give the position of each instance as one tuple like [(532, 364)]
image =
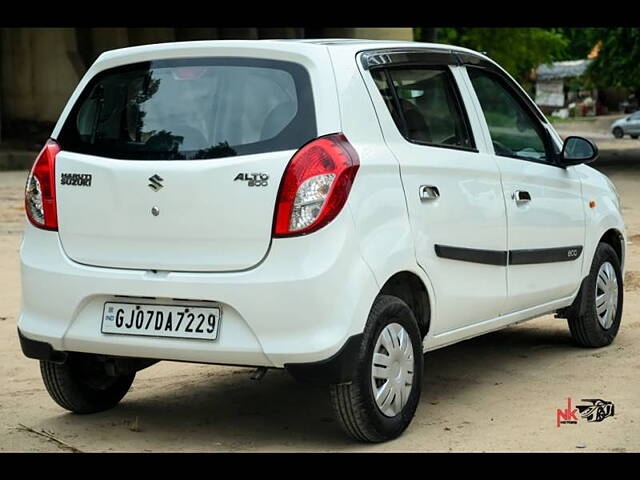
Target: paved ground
[(498, 392)]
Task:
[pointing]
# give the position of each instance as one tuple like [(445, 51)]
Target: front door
[(545, 210)]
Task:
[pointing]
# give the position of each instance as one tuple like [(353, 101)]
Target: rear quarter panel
[(376, 202)]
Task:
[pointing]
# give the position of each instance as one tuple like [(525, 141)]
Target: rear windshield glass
[(192, 109)]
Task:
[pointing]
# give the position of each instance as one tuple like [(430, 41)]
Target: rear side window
[(425, 105), (192, 109)]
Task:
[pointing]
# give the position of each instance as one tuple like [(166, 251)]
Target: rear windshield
[(187, 109)]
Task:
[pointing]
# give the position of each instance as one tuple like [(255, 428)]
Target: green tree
[(425, 34), (517, 50), (580, 42), (618, 62)]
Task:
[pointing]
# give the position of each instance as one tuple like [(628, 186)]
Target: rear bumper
[(338, 368), (299, 306), (40, 350)]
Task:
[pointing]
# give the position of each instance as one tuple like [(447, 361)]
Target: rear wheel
[(82, 385), (598, 324), (382, 398), (618, 132), (634, 136)]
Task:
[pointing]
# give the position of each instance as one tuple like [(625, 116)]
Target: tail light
[(40, 194), (315, 186)]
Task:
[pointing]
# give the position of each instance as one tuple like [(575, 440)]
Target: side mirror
[(577, 150)]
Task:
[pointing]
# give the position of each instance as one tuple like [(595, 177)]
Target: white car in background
[(332, 207), (629, 125)]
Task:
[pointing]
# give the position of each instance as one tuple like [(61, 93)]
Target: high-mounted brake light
[(188, 73), (315, 185), (40, 193)]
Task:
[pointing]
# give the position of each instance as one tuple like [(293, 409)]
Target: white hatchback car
[(333, 207)]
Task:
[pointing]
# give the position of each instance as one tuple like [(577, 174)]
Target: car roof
[(364, 44), (344, 44)]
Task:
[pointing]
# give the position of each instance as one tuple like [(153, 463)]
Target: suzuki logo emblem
[(155, 184)]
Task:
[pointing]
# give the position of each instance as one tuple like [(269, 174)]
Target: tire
[(634, 137), (81, 384), (354, 403), (618, 132), (587, 329)]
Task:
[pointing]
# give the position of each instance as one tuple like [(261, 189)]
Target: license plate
[(176, 321)]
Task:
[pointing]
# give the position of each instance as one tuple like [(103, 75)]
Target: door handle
[(521, 196), (429, 192)]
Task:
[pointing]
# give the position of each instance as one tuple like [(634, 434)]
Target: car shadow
[(212, 411), (514, 350)]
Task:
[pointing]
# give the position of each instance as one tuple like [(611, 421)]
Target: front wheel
[(618, 132), (598, 324), (82, 385), (381, 400), (634, 136)]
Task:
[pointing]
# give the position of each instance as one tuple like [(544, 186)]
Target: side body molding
[(511, 257)]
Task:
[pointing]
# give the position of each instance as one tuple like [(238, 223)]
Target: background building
[(553, 86), (565, 86)]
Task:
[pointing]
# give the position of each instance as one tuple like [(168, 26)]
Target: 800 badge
[(253, 179)]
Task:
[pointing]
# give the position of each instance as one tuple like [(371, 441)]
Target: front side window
[(192, 109), (514, 132), (425, 105)]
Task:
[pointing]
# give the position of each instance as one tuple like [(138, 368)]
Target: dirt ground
[(498, 392)]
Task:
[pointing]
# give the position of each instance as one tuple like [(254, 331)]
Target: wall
[(38, 74), (40, 67)]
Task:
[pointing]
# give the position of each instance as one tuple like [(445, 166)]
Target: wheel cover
[(606, 295), (392, 369)]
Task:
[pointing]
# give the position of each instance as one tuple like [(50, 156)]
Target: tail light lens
[(315, 186), (40, 194)]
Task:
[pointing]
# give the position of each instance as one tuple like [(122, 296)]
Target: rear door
[(545, 210), (175, 164), (452, 189)]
